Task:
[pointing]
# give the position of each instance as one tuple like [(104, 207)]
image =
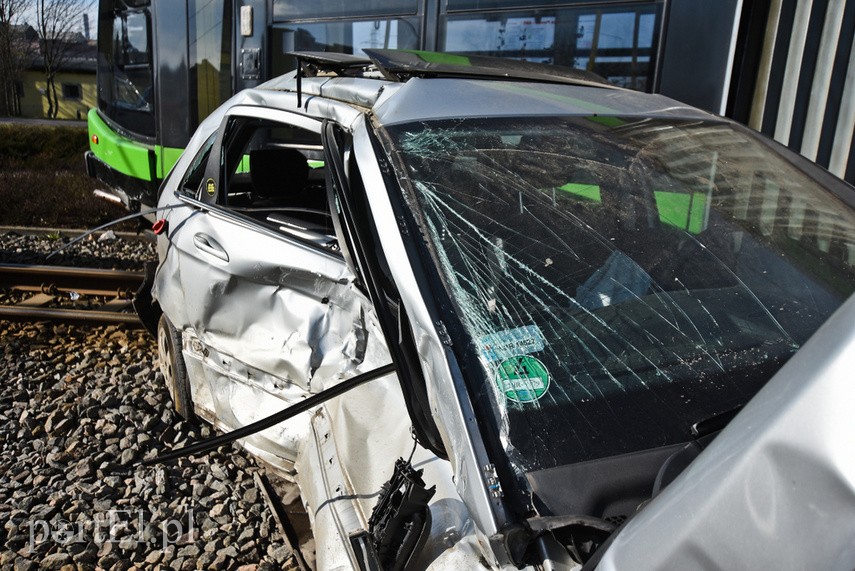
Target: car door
[(270, 311)]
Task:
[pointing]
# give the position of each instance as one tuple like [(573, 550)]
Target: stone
[(221, 561), (251, 495), (247, 534), (205, 559), (55, 561), (230, 551), (121, 565), (22, 564), (280, 554), (218, 510), (189, 551), (127, 457), (83, 469), (107, 561)]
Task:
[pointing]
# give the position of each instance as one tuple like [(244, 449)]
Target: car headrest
[(277, 172)]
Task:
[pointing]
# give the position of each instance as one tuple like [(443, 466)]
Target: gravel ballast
[(80, 407), (104, 249)]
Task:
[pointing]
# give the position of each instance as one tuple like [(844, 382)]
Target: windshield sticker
[(505, 344), (211, 187), (522, 378)]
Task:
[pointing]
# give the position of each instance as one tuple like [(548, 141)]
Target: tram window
[(293, 9), (131, 36), (489, 4), (617, 42), (210, 48), (350, 37), (125, 88), (455, 5)]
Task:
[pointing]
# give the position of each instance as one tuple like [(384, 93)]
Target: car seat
[(279, 176)]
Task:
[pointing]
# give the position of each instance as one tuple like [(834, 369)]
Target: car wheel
[(173, 368)]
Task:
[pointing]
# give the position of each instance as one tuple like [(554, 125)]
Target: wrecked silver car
[(577, 288)]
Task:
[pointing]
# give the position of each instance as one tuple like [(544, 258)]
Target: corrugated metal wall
[(804, 95)]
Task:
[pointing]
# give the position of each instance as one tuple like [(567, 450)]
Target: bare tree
[(15, 51), (55, 20)]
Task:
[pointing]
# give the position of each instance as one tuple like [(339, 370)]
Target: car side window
[(273, 173), (193, 178)]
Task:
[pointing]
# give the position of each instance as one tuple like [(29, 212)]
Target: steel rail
[(12, 313), (89, 281), (49, 282)]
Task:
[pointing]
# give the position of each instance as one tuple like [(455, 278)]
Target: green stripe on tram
[(122, 154)]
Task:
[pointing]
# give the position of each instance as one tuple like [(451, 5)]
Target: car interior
[(274, 174)]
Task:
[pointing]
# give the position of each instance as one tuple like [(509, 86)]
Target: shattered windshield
[(617, 280)]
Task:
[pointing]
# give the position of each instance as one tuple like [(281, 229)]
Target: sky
[(29, 17)]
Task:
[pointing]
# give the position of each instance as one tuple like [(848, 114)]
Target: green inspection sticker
[(522, 378), (211, 187)]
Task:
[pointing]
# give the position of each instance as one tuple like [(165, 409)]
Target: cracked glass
[(618, 280)]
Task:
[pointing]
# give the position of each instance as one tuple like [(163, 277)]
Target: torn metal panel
[(782, 469), (229, 394), (352, 90), (327, 496), (350, 455), (263, 328), (291, 311)]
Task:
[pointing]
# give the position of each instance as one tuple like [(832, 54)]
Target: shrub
[(26, 146), (43, 179)]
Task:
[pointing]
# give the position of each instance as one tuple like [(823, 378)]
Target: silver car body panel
[(281, 319), (428, 100), (276, 321), (784, 468), (217, 382)]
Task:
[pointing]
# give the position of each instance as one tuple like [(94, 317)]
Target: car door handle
[(210, 246)]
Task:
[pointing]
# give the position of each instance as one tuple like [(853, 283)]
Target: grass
[(43, 179)]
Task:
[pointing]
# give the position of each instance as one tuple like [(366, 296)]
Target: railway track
[(37, 293)]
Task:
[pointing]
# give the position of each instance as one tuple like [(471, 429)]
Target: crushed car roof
[(425, 96)]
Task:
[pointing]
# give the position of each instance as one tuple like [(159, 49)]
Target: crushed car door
[(271, 309)]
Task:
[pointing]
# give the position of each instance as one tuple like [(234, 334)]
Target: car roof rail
[(401, 65)]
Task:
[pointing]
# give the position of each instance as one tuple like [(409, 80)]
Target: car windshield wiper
[(713, 423)]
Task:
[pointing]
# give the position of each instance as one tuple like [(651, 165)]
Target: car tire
[(173, 369)]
